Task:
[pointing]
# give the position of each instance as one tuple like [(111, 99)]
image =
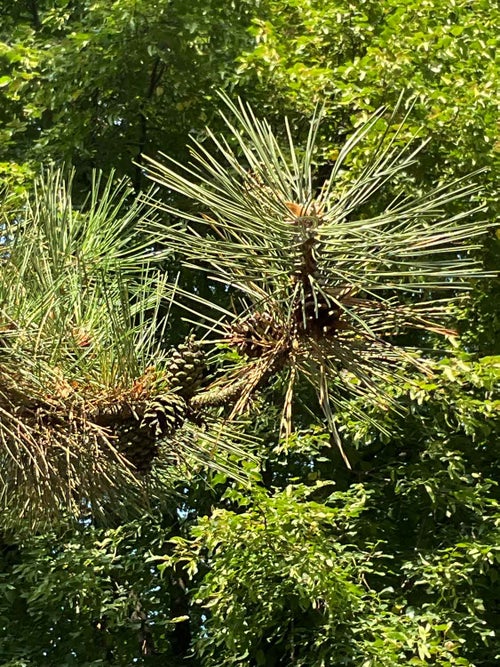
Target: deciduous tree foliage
[(302, 561), (96, 83)]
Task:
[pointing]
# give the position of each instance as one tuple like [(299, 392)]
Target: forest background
[(300, 560)]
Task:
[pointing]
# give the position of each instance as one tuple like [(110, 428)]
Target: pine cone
[(164, 415), (185, 368), (137, 444), (255, 335), (139, 439)]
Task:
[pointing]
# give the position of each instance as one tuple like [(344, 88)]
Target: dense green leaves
[(98, 83), (393, 562), (89, 595), (399, 569), (356, 56)]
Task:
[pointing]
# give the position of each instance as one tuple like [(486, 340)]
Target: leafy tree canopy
[(290, 558)]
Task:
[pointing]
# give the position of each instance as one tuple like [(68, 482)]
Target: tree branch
[(154, 80)]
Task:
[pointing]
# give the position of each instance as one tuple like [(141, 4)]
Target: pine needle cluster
[(324, 283)]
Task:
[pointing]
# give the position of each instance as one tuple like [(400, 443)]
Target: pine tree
[(91, 404), (322, 282), (326, 276)]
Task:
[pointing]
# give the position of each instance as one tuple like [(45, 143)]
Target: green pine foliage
[(158, 508)]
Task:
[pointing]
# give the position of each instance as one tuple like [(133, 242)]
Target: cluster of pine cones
[(139, 436)]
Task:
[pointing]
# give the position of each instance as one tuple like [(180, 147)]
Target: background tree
[(398, 555), (96, 84)]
